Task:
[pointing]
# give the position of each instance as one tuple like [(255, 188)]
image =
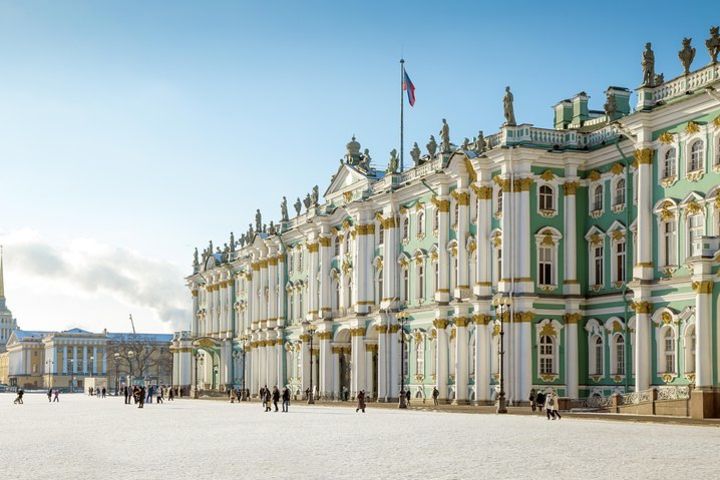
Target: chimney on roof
[(563, 114), (621, 97), (580, 109)]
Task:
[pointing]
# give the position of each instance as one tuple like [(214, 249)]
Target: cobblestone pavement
[(86, 437)]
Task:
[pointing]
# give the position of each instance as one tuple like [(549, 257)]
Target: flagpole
[(402, 104)]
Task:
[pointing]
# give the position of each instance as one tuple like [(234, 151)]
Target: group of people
[(273, 397), (53, 395), (97, 391), (545, 401), (140, 395)]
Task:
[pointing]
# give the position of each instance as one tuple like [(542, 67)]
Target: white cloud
[(86, 267)]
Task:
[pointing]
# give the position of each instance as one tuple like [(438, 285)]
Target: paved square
[(86, 437)]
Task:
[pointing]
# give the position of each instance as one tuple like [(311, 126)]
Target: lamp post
[(402, 317), (499, 301), (116, 360), (130, 355), (198, 359), (311, 333), (48, 368), (72, 376), (243, 395), (92, 366)]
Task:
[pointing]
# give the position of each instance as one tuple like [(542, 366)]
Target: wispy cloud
[(94, 267)]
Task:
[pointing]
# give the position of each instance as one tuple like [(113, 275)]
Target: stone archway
[(206, 359), (342, 369)]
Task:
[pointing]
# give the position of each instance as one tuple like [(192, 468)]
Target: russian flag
[(408, 85)]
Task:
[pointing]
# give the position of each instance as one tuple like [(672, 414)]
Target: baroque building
[(594, 242)]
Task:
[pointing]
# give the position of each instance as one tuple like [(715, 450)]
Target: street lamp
[(116, 359), (198, 359), (311, 333), (500, 301), (243, 395), (402, 317), (48, 368), (92, 366)]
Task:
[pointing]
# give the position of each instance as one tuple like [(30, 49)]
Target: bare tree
[(140, 356)]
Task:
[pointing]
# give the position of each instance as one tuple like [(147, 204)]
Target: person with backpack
[(49, 394), (540, 401), (360, 401)]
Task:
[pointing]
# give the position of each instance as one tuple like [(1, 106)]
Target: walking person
[(49, 394), (268, 397), (285, 399), (275, 397), (159, 396), (407, 397), (540, 401), (435, 395), (171, 395), (56, 395), (262, 397), (360, 401), (533, 394), (556, 406), (18, 400), (141, 397), (549, 402), (103, 392)]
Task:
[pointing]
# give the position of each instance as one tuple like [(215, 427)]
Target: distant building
[(40, 359), (7, 322)]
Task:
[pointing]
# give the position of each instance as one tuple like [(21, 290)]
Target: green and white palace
[(595, 244)]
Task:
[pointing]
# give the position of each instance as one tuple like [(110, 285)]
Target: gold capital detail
[(642, 307), (644, 156), (313, 247), (548, 176), (703, 286), (324, 241), (357, 332), (394, 328), (462, 198), (325, 335), (570, 188), (524, 317), (381, 328), (462, 321), (482, 193), (523, 184), (440, 323), (443, 205), (572, 318), (390, 222), (666, 138), (692, 127), (481, 319), (367, 229)]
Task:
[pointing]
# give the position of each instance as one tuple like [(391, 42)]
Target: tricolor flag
[(408, 85)]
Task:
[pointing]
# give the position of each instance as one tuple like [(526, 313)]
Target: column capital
[(702, 286), (644, 156), (440, 323), (570, 188)]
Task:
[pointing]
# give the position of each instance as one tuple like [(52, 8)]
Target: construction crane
[(133, 325)]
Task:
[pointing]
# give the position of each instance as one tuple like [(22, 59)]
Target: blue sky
[(132, 131)]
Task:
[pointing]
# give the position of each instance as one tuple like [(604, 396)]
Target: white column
[(462, 197), (703, 284), (194, 324), (483, 360), (312, 301), (85, 360), (65, 360), (336, 372), (442, 293), (95, 361), (383, 390), (390, 270), (75, 359), (395, 359), (358, 360), (461, 362), (571, 353), (643, 264), (369, 370), (306, 362), (324, 243), (643, 361), (484, 246), (325, 384), (571, 285), (441, 357)]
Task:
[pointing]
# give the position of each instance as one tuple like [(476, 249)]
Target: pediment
[(347, 179)]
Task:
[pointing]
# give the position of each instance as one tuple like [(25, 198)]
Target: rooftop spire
[(2, 279)]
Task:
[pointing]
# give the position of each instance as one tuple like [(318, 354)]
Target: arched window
[(546, 198), (381, 233), (690, 341), (420, 224), (669, 344), (499, 200), (405, 228), (695, 161), (669, 167), (619, 355), (668, 243), (546, 354), (696, 229), (420, 358), (436, 220), (597, 198), (421, 281), (619, 192), (597, 355)]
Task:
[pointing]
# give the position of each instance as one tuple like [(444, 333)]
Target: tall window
[(300, 260), (291, 262), (717, 153), (436, 274), (668, 233), (405, 228), (379, 282), (598, 259), (669, 341), (456, 213), (337, 295), (598, 198), (696, 229), (498, 264), (620, 261), (499, 200), (545, 265), (406, 284), (337, 246), (669, 164), (421, 281), (420, 358), (546, 198), (619, 355), (381, 233), (620, 192), (436, 219), (300, 305), (597, 355), (473, 351), (690, 349), (420, 224), (546, 354), (697, 149)]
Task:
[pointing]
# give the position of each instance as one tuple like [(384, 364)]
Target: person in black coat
[(285, 399), (276, 397)]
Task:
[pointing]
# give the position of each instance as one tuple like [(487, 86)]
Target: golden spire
[(2, 279)]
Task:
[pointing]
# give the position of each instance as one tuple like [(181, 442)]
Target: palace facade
[(594, 243)]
